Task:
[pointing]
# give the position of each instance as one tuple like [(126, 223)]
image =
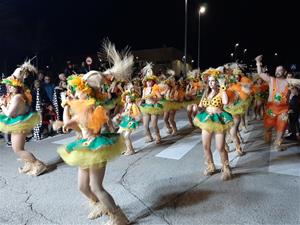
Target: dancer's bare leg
[(234, 136), (172, 122), (166, 119), (189, 110), (154, 119), (129, 147), (220, 141), (206, 140), (146, 121), (32, 165), (84, 184), (96, 180)]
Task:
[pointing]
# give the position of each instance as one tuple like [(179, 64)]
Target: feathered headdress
[(132, 95), (122, 62), (170, 72), (76, 82), (211, 72), (13, 82), (24, 70), (148, 73), (94, 79), (170, 81)]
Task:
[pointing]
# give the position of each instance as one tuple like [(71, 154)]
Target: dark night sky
[(62, 29)]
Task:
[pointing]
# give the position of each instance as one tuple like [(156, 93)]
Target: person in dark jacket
[(49, 88), (294, 102)]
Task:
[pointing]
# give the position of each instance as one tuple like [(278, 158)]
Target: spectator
[(2, 89), (60, 90), (84, 68), (294, 109), (40, 78), (70, 69), (62, 86), (43, 97), (290, 75), (49, 88), (49, 117)]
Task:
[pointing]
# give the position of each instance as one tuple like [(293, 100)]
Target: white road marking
[(140, 143), (180, 148)]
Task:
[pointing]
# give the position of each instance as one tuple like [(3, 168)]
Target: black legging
[(294, 123)]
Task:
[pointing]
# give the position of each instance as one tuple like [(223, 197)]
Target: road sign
[(89, 61), (293, 67)]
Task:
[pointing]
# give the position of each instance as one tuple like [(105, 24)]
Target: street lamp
[(244, 55), (185, 38), (201, 11), (231, 54), (276, 54), (235, 49)]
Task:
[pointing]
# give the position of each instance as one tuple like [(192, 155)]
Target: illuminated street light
[(201, 11), (235, 51)]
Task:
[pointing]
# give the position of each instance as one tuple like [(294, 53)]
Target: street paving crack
[(3, 182), (126, 186), (30, 205)]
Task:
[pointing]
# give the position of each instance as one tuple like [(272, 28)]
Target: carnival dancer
[(276, 113), (239, 98), (214, 120), (92, 152), (192, 95), (260, 90), (150, 106), (170, 102), (130, 118), (18, 119)]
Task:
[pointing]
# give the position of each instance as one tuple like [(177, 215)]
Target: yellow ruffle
[(92, 159), (212, 126), (23, 127), (152, 110)]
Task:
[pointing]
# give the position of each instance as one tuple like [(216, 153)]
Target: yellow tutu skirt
[(103, 148), (20, 124)]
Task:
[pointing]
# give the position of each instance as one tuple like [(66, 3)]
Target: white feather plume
[(147, 70), (122, 63), (94, 79), (170, 72), (24, 70)]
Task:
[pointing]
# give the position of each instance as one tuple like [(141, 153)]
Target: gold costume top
[(216, 101)]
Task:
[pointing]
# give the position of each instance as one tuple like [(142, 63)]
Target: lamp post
[(244, 55), (235, 51), (231, 55), (275, 58), (185, 39), (201, 11)]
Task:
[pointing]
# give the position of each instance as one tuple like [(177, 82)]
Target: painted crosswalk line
[(140, 143), (180, 148)]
